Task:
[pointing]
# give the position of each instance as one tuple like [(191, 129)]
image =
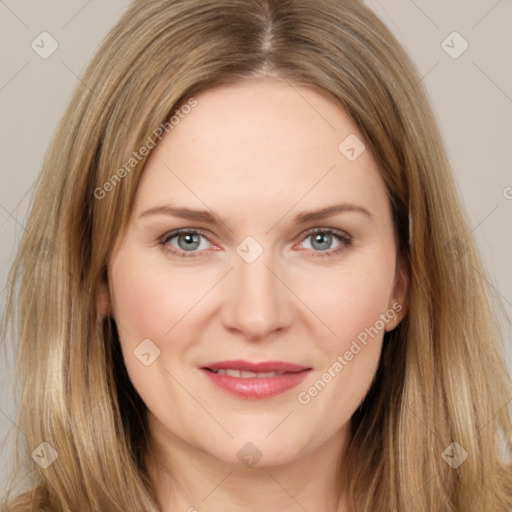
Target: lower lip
[(254, 388)]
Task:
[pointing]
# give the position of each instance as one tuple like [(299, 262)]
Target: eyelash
[(344, 238)]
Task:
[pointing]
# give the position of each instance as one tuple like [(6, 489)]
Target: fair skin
[(256, 155)]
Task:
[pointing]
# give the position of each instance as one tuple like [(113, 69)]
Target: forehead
[(258, 143)]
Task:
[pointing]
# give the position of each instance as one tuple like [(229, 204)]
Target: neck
[(188, 479)]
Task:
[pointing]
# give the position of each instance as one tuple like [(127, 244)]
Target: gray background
[(471, 96)]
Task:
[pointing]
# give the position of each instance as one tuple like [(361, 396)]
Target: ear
[(397, 307), (103, 297)]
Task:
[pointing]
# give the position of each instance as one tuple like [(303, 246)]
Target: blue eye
[(322, 238), (188, 241)]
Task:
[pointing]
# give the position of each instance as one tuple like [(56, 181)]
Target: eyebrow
[(210, 218)]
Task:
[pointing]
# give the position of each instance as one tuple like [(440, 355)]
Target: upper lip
[(261, 367)]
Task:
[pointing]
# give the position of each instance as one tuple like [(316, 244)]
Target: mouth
[(244, 374), (255, 381)]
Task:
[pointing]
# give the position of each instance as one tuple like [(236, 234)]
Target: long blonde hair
[(441, 378)]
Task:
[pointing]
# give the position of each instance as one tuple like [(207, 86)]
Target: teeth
[(246, 375)]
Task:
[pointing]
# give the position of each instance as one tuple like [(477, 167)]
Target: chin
[(257, 451)]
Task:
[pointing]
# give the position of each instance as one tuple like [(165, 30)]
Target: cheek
[(353, 304), (152, 302), (352, 299), (150, 299)]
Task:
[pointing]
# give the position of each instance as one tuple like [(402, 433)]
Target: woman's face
[(258, 285)]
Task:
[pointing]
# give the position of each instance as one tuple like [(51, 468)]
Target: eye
[(186, 241), (322, 239)]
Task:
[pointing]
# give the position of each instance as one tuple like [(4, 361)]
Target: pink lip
[(254, 388), (248, 366)]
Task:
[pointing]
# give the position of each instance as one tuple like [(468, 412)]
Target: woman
[(256, 288)]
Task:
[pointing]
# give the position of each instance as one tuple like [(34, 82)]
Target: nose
[(258, 302)]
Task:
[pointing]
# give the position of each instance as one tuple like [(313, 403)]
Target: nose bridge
[(257, 302)]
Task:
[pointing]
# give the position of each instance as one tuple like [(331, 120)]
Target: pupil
[(323, 239), (318, 237), (192, 238)]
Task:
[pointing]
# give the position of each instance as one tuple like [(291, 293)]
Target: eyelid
[(344, 238), (311, 231), (183, 231)]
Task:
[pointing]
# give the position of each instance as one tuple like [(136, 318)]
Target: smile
[(255, 385), (246, 375)]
